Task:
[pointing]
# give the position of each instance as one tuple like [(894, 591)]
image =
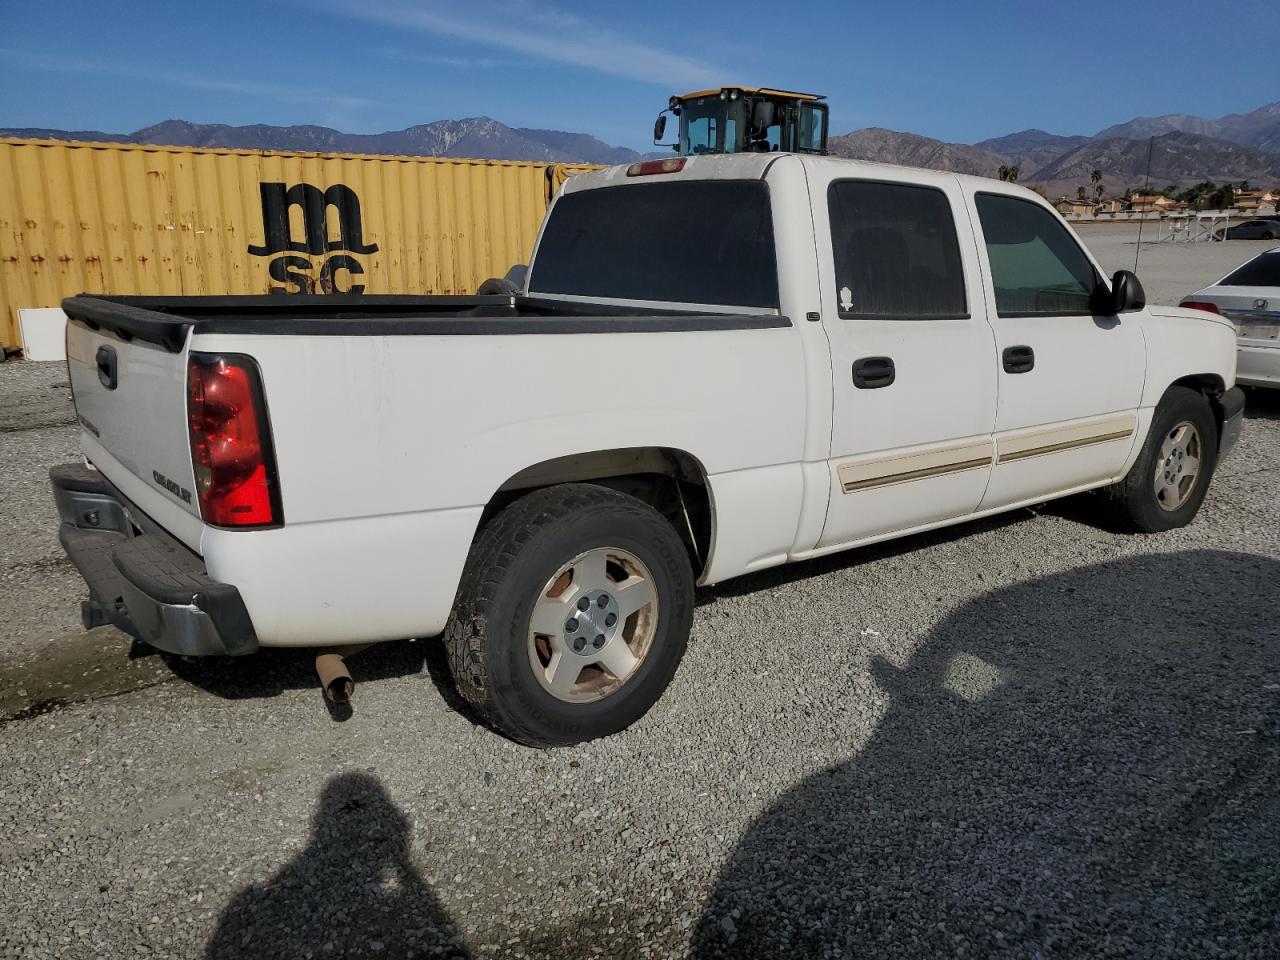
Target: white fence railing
[(1125, 216)]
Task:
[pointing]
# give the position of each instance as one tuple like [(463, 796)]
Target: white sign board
[(43, 333)]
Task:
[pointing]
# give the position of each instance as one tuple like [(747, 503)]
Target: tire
[(1141, 503), (515, 580)]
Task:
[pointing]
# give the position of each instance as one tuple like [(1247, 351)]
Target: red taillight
[(1201, 305), (648, 167), (230, 444)]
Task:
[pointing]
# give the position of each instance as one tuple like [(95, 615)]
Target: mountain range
[(1259, 128), (913, 150), (1183, 149), (480, 137)]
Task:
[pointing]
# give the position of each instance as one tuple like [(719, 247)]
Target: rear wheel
[(572, 616), (1169, 480)]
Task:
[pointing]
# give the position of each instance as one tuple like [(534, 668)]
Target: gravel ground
[(1028, 736), (40, 591)]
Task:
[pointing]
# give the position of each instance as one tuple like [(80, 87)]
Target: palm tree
[(1096, 177), (1080, 192)]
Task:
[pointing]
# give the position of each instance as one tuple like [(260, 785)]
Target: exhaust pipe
[(335, 678)]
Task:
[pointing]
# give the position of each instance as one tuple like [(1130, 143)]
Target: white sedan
[(1249, 296)]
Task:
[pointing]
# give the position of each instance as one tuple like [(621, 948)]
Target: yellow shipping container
[(151, 220)]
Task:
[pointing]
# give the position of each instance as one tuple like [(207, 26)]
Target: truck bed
[(166, 321), (373, 404)]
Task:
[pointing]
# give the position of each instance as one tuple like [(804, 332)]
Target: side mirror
[(762, 115), (1125, 296), (659, 127)]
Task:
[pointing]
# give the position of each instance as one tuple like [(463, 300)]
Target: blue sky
[(956, 71)]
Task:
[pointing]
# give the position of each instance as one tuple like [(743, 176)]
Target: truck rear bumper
[(140, 578)]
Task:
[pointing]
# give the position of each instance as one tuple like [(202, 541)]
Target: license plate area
[(1249, 330)]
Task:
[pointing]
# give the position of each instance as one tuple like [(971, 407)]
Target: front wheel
[(1169, 480), (572, 616)]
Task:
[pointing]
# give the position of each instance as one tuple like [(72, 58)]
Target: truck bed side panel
[(389, 447), (409, 423), (376, 578)]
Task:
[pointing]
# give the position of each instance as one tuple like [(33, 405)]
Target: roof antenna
[(1145, 192)]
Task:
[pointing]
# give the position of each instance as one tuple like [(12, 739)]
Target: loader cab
[(746, 120)]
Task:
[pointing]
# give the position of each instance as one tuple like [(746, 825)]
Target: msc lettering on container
[(290, 268)]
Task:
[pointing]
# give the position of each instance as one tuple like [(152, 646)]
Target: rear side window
[(1037, 267), (1263, 271), (896, 253), (691, 241)]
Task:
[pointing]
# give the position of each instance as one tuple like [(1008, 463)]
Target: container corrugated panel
[(152, 220), (561, 172)]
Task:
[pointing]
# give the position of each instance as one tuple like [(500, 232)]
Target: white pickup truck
[(716, 365)]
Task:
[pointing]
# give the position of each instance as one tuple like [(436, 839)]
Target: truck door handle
[(106, 361), (871, 373), (1019, 359)]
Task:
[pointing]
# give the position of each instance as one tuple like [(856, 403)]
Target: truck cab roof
[(763, 91), (754, 166)]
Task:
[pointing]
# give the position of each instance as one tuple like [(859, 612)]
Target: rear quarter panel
[(369, 426), (388, 449)]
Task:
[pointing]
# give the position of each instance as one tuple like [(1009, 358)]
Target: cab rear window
[(691, 241), (1263, 271)]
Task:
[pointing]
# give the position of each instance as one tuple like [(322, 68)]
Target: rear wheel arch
[(672, 481)]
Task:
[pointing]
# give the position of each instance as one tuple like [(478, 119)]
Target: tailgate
[(131, 400)]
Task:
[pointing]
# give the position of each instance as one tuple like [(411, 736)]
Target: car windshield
[(1261, 271)]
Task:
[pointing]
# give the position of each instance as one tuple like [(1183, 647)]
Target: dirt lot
[(1029, 736), (1169, 271)]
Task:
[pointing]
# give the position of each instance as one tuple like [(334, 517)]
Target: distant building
[(1149, 202), (1248, 199), (1068, 206), (1111, 205)]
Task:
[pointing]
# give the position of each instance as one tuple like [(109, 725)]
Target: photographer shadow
[(353, 892), (1085, 764)]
